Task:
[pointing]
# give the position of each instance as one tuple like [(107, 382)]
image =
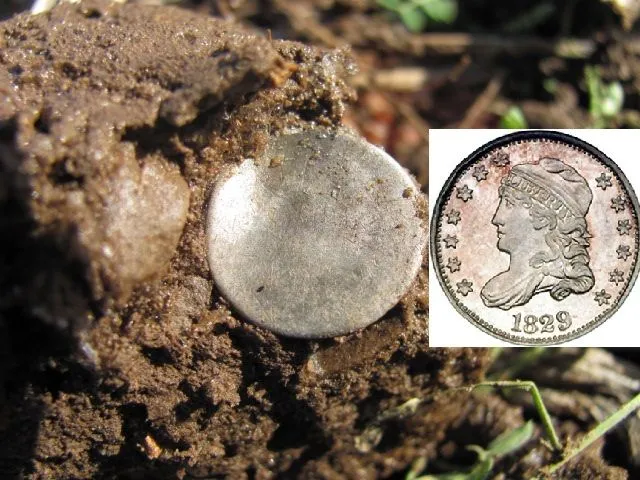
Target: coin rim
[(447, 190)]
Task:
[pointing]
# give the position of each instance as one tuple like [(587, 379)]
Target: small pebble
[(276, 161), (151, 448)]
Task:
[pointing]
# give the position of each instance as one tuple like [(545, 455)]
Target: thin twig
[(459, 43), (398, 79), (483, 102), (302, 19), (409, 113), (459, 68)]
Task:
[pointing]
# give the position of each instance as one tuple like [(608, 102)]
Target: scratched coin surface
[(319, 236), (534, 237)]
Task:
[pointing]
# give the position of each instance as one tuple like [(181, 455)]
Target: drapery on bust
[(541, 225)]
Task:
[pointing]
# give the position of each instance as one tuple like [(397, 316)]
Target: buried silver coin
[(535, 237), (319, 236)]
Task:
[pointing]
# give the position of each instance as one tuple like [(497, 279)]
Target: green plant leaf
[(511, 441), (442, 11), (612, 99), (413, 18), (593, 81), (418, 466), (550, 85), (513, 119), (480, 471), (605, 100), (594, 90)]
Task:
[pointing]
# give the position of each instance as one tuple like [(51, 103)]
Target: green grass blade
[(599, 430), (532, 388)]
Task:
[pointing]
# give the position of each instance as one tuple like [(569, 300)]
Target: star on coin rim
[(448, 191)]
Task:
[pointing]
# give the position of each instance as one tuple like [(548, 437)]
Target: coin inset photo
[(534, 237)]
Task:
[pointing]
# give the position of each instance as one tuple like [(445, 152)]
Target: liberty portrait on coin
[(541, 225), (535, 239)]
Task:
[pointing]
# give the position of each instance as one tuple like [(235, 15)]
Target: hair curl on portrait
[(568, 259)]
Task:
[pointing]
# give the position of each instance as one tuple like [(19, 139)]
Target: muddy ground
[(118, 357)]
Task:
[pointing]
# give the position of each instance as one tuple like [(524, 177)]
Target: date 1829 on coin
[(535, 237)]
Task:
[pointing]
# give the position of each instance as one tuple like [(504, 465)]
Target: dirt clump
[(118, 357)]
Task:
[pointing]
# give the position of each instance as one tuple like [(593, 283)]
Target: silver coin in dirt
[(535, 238), (319, 236)]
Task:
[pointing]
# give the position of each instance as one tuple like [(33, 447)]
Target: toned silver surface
[(535, 238), (318, 237)]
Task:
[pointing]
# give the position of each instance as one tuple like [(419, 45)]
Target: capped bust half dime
[(534, 237), (319, 236)]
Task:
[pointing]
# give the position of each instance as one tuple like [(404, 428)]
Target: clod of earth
[(118, 355)]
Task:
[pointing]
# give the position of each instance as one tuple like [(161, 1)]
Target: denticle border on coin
[(483, 153)]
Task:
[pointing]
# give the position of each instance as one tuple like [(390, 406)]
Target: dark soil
[(118, 357)]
